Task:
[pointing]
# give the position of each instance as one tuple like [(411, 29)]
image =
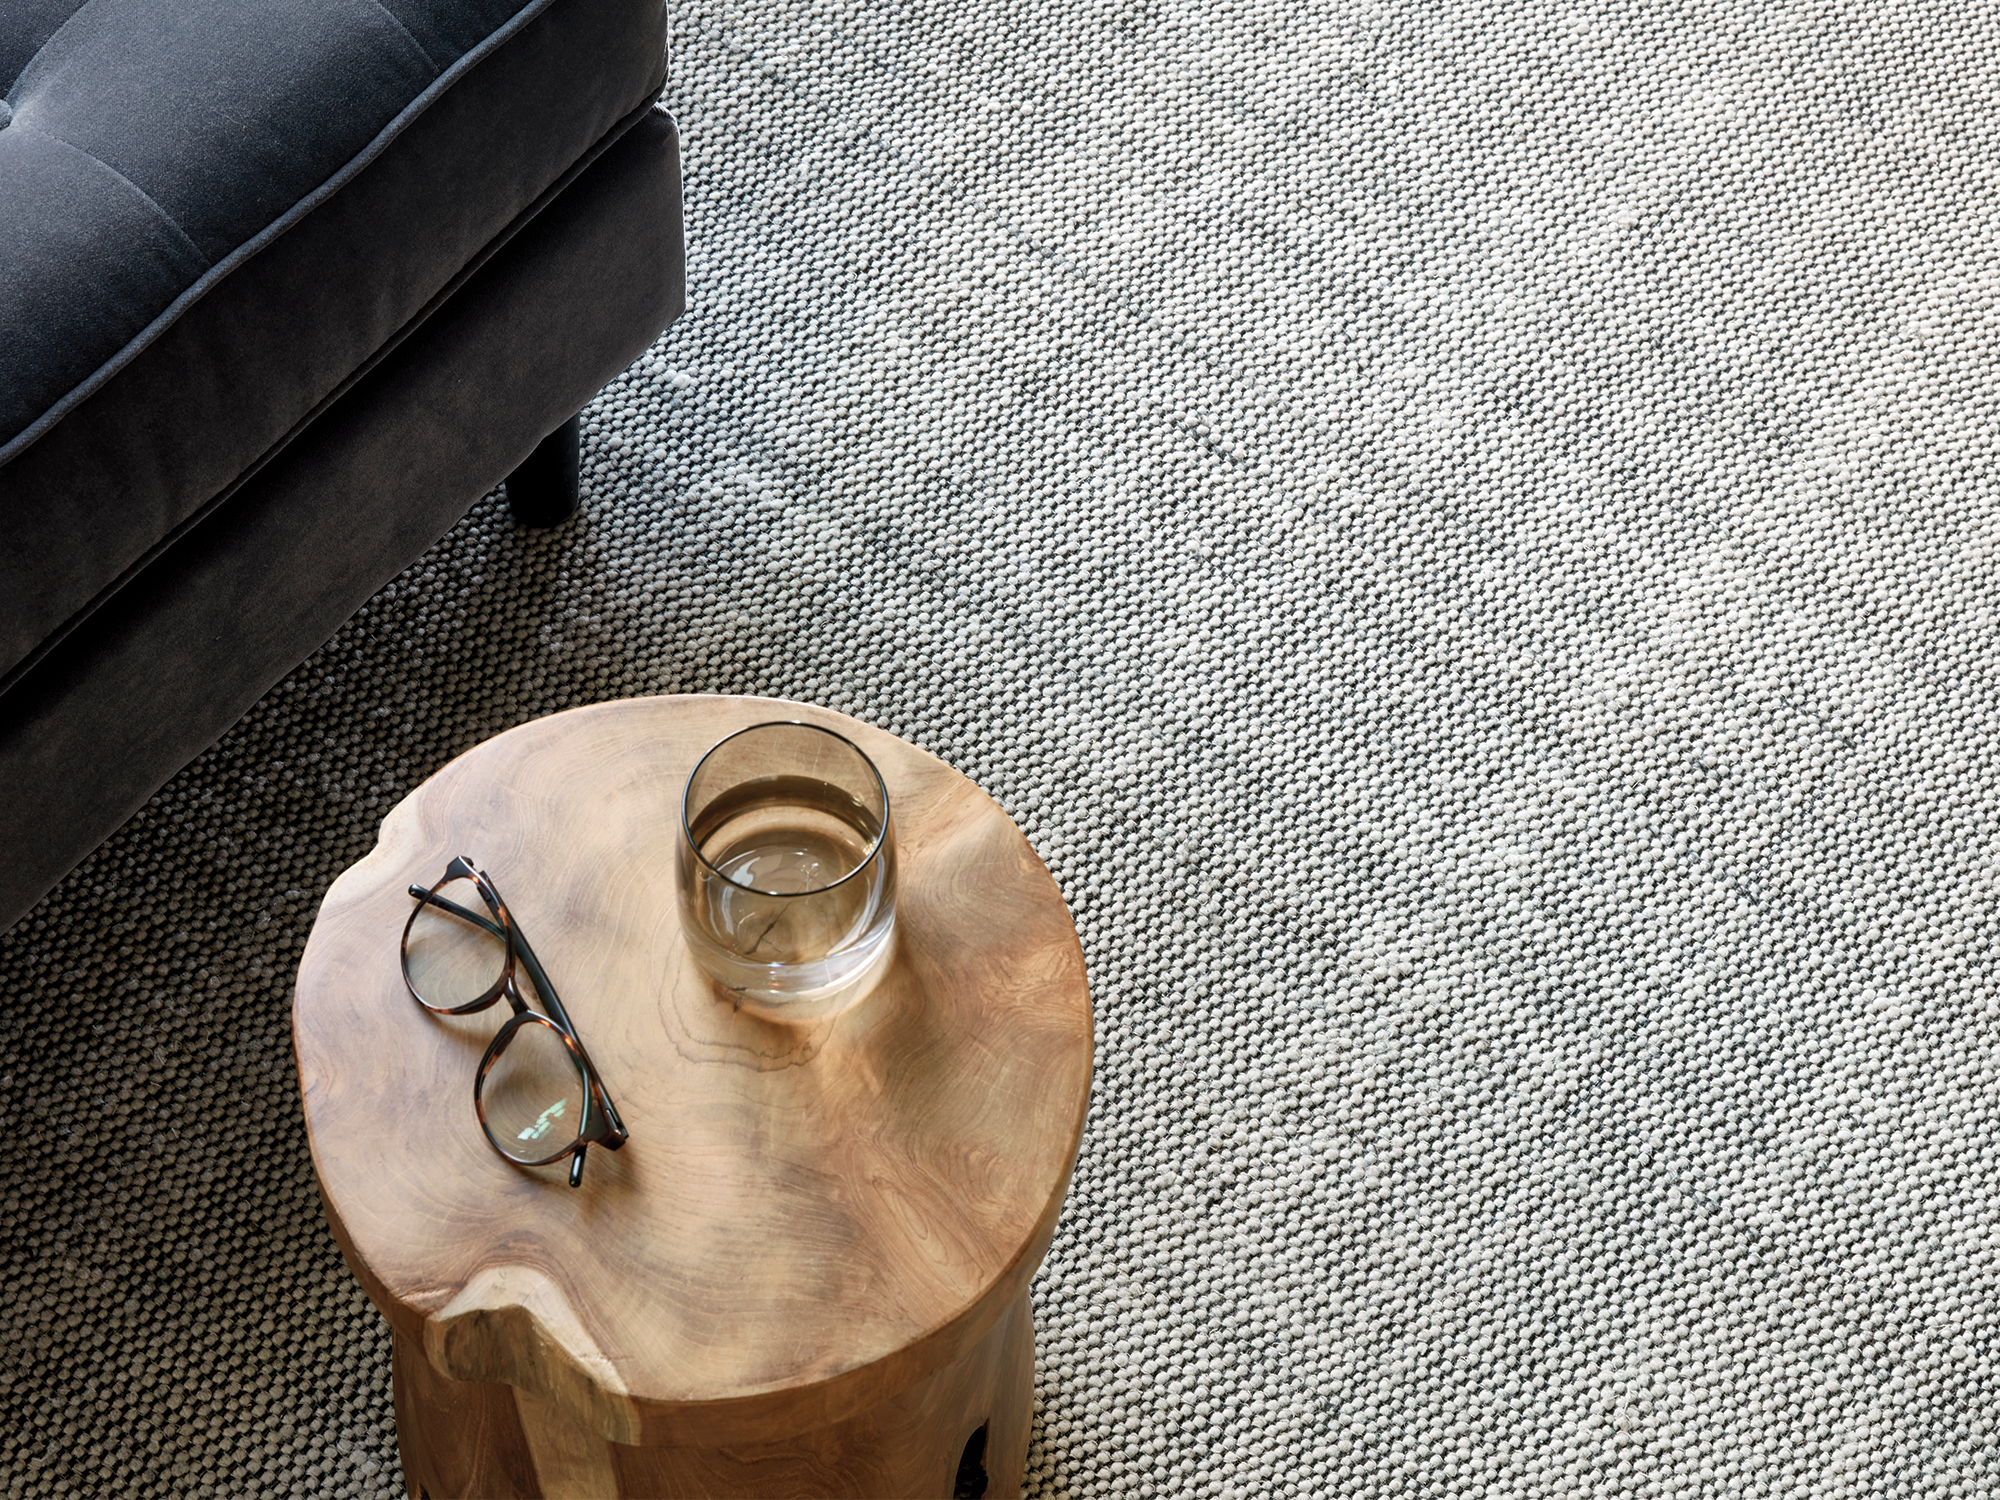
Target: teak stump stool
[(807, 1273)]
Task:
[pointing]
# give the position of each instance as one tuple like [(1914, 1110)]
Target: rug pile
[(1469, 539)]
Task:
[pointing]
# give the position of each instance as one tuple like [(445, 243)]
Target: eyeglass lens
[(533, 1093), (452, 962)]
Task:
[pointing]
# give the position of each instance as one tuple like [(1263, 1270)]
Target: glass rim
[(874, 848)]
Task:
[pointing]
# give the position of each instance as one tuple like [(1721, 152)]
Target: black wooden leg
[(542, 492)]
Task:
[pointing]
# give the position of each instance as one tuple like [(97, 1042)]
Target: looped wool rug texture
[(1466, 534)]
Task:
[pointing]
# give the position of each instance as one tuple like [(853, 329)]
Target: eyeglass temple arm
[(549, 997), (445, 904)]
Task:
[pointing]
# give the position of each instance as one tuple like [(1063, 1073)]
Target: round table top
[(807, 1216)]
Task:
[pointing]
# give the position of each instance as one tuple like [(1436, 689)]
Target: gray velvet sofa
[(285, 286)]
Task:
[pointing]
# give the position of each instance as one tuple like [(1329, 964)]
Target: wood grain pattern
[(813, 1221)]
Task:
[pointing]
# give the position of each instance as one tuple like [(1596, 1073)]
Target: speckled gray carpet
[(1467, 534)]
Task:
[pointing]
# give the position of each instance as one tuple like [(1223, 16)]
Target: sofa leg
[(542, 492)]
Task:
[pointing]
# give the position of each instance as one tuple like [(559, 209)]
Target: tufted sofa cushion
[(220, 213)]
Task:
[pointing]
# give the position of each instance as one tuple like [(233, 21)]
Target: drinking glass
[(787, 864)]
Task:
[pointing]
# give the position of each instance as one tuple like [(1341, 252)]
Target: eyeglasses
[(538, 1095)]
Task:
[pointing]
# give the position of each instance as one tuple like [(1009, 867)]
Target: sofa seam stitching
[(397, 21), (209, 279), (7, 93), (145, 197)]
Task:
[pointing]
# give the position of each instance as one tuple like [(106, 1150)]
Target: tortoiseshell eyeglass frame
[(600, 1123)]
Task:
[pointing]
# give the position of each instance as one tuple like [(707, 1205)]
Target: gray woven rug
[(1469, 538)]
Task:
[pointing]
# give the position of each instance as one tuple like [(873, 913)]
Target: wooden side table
[(807, 1273)]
